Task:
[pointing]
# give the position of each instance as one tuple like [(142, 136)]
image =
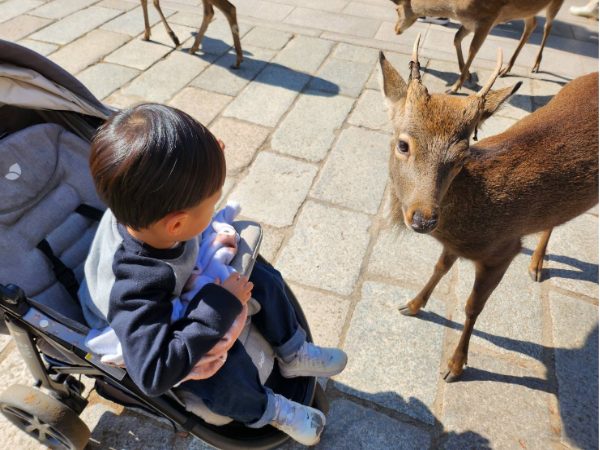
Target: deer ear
[(394, 88), (494, 99)]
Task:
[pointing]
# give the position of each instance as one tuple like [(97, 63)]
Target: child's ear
[(174, 222)]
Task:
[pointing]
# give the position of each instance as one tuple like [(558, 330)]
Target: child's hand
[(239, 286)]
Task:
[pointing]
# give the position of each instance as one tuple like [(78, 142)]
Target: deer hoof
[(407, 310), (536, 274), (146, 37), (450, 377), (535, 69), (504, 71), (174, 38), (453, 90)]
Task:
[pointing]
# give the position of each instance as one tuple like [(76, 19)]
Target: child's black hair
[(151, 160)]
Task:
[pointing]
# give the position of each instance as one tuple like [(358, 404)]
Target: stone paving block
[(355, 53), (402, 353), (494, 125), (575, 339), (543, 91), (119, 100), (497, 405), (221, 77), (102, 79), (75, 25), (264, 10), (380, 11), (344, 77), (572, 256), (268, 98), (341, 23), (511, 322), (21, 26), (356, 172), (138, 54), (345, 236), (40, 47), (407, 257), (386, 32), (202, 105), (351, 426), (274, 189), (371, 112), (271, 242), (123, 5), (132, 22), (87, 50), (330, 5), (309, 129), (14, 8), (304, 53), (267, 38), (241, 139), (61, 8), (325, 313), (165, 78), (159, 35)]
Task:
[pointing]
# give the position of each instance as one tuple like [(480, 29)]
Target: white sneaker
[(314, 361), (302, 423), (435, 20), (590, 10)]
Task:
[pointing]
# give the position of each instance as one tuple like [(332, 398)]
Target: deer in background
[(480, 200), (479, 17), (223, 5)]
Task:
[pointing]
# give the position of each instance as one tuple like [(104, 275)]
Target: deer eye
[(402, 148)]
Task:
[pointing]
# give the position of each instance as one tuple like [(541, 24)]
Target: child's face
[(199, 217)]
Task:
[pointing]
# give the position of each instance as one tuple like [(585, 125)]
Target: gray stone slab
[(102, 79), (242, 140), (572, 256), (330, 5), (267, 99), (304, 53), (355, 53), (14, 8), (202, 105), (575, 338), (267, 38), (327, 248), (325, 313), (407, 257), (20, 26), (138, 54), (119, 100), (122, 5), (264, 10), (497, 405), (221, 77), (512, 320), (495, 125), (159, 35), (544, 90), (352, 427), (355, 174), (61, 8), (341, 23), (271, 242), (40, 47), (75, 25), (132, 22), (378, 11), (87, 50), (165, 78), (402, 353), (340, 76), (310, 128), (371, 112), (274, 189)]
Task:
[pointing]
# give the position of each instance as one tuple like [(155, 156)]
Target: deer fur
[(479, 201), (479, 17), (224, 6)]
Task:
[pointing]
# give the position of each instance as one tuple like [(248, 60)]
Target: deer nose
[(422, 224)]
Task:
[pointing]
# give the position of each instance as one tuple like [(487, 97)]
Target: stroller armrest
[(250, 239)]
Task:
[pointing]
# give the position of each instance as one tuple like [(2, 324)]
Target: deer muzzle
[(422, 223)]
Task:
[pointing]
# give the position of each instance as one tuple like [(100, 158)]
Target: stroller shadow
[(576, 377), (583, 271)]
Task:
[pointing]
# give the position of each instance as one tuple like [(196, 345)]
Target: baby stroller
[(48, 215)]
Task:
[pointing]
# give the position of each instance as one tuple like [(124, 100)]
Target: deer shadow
[(583, 270), (571, 375)]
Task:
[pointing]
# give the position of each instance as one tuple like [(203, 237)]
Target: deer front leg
[(164, 21), (230, 13), (486, 279), (458, 38), (530, 23), (146, 21), (551, 12), (442, 267), (209, 13), (537, 259), (480, 35)]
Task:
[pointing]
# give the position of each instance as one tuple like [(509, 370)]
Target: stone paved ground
[(307, 138)]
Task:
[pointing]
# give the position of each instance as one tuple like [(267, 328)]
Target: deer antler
[(414, 65), (485, 89)]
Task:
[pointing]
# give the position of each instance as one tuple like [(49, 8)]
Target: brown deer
[(480, 200), (479, 17), (223, 5)]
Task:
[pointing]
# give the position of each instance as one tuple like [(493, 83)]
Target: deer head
[(430, 143), (406, 16)]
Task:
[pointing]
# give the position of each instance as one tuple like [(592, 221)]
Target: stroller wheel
[(44, 418)]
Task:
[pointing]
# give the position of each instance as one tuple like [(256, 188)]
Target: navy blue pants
[(235, 390)]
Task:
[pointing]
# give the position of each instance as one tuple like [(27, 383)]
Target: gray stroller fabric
[(44, 177)]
